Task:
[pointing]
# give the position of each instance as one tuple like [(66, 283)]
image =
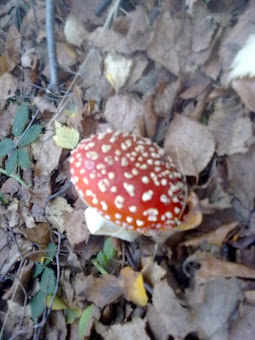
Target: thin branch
[(51, 45)]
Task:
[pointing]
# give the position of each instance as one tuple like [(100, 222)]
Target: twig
[(61, 191), (18, 179), (51, 45)]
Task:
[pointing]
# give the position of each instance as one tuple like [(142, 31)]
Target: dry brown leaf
[(213, 309), (164, 100), (197, 84), (12, 48), (123, 111), (40, 234), (244, 326), (133, 284), (232, 131), (152, 272), (75, 32), (3, 64), (55, 212), (46, 153), (245, 88), (44, 105), (167, 316), (216, 237), (75, 226), (59, 331), (135, 329), (212, 268), (242, 177), (8, 87), (66, 55), (183, 144), (150, 118), (102, 291)]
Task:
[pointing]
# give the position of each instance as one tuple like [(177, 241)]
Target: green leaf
[(23, 159), (38, 269), (20, 120), (85, 321), (31, 135), (72, 315), (108, 249), (58, 303), (11, 162), (48, 281), (102, 259), (51, 251), (37, 305), (6, 145), (66, 137), (3, 199)]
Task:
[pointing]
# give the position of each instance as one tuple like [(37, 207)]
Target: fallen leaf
[(66, 55), (134, 286), (164, 100), (134, 329), (123, 111), (212, 313), (44, 104), (216, 237), (245, 89), (55, 212), (152, 272), (117, 69), (212, 268), (75, 226), (8, 86), (46, 153), (183, 144), (40, 234), (168, 317), (74, 30), (244, 326), (12, 48), (65, 137)]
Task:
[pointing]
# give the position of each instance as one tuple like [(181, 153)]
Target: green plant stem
[(15, 177), (99, 267)]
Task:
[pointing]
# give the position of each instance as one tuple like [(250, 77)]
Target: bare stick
[(51, 45)]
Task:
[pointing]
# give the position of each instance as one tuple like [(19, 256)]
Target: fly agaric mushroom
[(130, 181)]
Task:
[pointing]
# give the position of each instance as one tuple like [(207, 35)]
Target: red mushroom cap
[(129, 180)]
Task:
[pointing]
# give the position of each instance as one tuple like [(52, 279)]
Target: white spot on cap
[(75, 179), (147, 196), (130, 189), (139, 223), (92, 175), (113, 189), (163, 181), (129, 219), (109, 160), (72, 171), (164, 199), (133, 209), (104, 205), (92, 155), (118, 216), (177, 210), (117, 152), (135, 172), (89, 192), (103, 184), (81, 193), (111, 175), (119, 201), (95, 200), (175, 199), (124, 161), (105, 148), (85, 180), (82, 171), (128, 175), (77, 164), (145, 179), (169, 215), (100, 166)]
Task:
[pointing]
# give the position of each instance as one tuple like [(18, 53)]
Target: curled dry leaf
[(123, 111), (245, 88), (55, 213), (214, 307), (8, 86), (231, 130), (212, 268), (183, 144), (46, 154), (216, 237), (167, 316), (74, 30), (134, 329), (152, 272), (134, 290), (75, 226)]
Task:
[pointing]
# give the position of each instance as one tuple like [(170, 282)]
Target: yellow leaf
[(66, 138), (134, 286), (58, 303)]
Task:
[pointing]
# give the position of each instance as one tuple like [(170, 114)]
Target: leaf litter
[(180, 75)]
